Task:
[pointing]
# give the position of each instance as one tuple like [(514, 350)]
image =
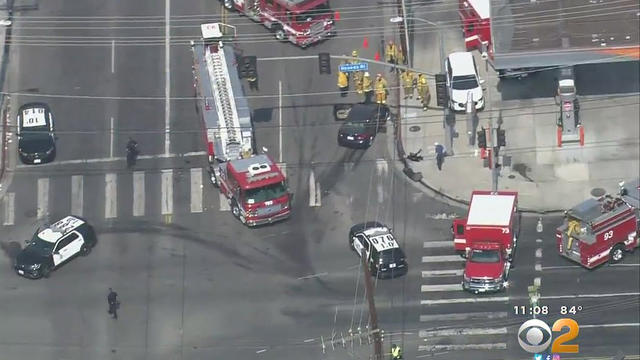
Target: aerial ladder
[(227, 123)]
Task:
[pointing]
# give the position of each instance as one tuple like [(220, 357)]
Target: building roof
[(255, 172), (491, 209), (540, 33)]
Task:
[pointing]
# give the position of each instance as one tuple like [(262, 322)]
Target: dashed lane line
[(167, 192), (442, 258), (465, 300), (464, 316), (462, 331)]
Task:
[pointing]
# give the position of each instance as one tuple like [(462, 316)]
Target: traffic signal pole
[(493, 145)]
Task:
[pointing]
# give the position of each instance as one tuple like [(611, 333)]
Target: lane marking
[(196, 190), (589, 295), (382, 167), (443, 287), (112, 136), (167, 72), (43, 198), (610, 325), (461, 331), (313, 276), (9, 202), (110, 196), (537, 281), (113, 56), (280, 120), (138, 193), (538, 253), (380, 191), (563, 267), (224, 203), (283, 168), (167, 192), (313, 190), (496, 346), (538, 267), (442, 258), (465, 300), (112, 159), (464, 316), (437, 244), (432, 273), (77, 194)]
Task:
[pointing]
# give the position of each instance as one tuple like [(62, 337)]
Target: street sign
[(354, 67)]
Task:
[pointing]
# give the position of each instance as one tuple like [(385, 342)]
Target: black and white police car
[(376, 241), (36, 137), (53, 246)]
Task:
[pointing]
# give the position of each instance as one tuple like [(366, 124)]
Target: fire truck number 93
[(608, 235)]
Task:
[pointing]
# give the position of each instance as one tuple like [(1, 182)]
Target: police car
[(36, 137), (376, 241), (53, 246)]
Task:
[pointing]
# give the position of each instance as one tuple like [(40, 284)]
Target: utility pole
[(373, 315), (492, 143)]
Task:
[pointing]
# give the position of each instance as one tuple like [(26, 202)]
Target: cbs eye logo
[(535, 336)]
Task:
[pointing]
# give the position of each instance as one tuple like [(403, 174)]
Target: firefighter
[(252, 78), (423, 91), (391, 53), (354, 57), (396, 352), (357, 81), (381, 89), (343, 83), (409, 83), (367, 87), (345, 62)]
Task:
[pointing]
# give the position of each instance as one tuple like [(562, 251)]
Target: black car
[(36, 136), (362, 124), (376, 241), (55, 245)]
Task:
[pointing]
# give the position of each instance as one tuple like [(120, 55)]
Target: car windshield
[(43, 248), (466, 82), (265, 193), (389, 255), (354, 126), (313, 14), (485, 256)]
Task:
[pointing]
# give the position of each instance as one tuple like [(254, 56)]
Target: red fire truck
[(255, 188), (302, 22), (487, 238), (598, 230)]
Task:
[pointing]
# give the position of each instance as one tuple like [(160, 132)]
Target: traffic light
[(482, 139), (502, 141), (441, 90), (324, 61), (248, 67)]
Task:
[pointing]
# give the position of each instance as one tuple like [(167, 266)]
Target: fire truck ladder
[(225, 104)]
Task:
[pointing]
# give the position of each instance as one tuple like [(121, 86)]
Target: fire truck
[(255, 188), (487, 239), (598, 230), (225, 113), (302, 22)]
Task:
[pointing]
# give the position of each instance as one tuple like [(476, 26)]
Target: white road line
[(578, 266), (224, 203), (110, 196), (112, 136), (9, 201), (113, 56), (589, 296), (496, 346), (138, 193), (609, 325), (432, 273), (461, 331), (167, 72), (280, 120), (464, 316), (538, 253), (443, 287), (196, 190), (437, 244), (538, 267), (77, 194), (382, 167), (464, 300), (112, 159), (380, 191), (318, 194), (283, 168), (312, 189), (167, 192), (442, 258), (43, 198)]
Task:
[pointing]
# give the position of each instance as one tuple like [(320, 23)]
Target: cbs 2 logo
[(535, 336)]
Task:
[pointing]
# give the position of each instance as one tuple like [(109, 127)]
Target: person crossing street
[(381, 89), (409, 83), (112, 299)]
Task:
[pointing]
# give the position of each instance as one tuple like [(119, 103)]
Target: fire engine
[(487, 238), (255, 188), (598, 230), (302, 22)]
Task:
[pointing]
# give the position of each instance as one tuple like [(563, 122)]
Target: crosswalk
[(448, 320)]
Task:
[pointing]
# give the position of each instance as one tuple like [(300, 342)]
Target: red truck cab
[(487, 267)]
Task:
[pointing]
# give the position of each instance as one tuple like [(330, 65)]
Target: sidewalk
[(3, 115), (547, 178)]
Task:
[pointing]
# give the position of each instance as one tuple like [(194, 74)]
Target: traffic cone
[(365, 43), (336, 16), (377, 56)]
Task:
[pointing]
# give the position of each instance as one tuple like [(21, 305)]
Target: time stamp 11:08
[(544, 310)]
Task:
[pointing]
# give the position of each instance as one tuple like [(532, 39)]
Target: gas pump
[(570, 128)]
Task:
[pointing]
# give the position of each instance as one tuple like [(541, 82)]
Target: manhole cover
[(414, 128), (511, 176), (597, 192)]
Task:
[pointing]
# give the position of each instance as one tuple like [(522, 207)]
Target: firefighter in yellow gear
[(381, 89), (367, 87), (354, 57), (423, 91), (358, 77), (391, 52), (396, 352), (343, 83), (408, 83)]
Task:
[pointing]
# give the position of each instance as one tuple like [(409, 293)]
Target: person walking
[(390, 54), (396, 352), (112, 299), (423, 91), (367, 87), (381, 89), (409, 83), (440, 154), (343, 83)]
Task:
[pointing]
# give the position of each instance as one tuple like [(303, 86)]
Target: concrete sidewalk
[(547, 177)]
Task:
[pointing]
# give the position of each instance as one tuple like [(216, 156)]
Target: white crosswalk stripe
[(437, 244), (442, 258), (138, 193), (224, 203), (196, 190), (435, 273), (444, 287), (43, 198), (464, 316), (9, 208), (77, 194), (111, 196), (167, 192)]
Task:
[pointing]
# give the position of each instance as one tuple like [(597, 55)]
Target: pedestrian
[(343, 83), (112, 299), (396, 352), (367, 87), (409, 83), (390, 54), (440, 154), (381, 90), (423, 91)]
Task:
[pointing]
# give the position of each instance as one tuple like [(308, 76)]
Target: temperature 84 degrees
[(573, 309)]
